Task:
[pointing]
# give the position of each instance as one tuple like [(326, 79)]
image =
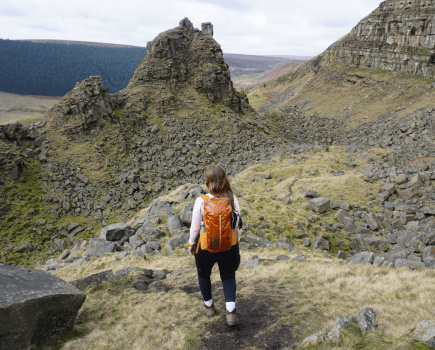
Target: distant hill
[(87, 43), (52, 69), (252, 64)]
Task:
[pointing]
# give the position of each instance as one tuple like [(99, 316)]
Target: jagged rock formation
[(397, 36), (82, 107), (181, 58), (34, 307)]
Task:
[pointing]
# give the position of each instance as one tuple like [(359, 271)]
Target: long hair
[(218, 183)]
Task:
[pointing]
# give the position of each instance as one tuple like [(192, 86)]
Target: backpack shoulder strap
[(205, 197)]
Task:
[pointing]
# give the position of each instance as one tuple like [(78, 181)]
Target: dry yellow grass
[(306, 297), (366, 92), (309, 297), (22, 107)]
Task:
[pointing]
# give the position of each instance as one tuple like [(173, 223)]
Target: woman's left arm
[(237, 208)]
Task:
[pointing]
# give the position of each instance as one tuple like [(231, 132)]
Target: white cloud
[(272, 27)]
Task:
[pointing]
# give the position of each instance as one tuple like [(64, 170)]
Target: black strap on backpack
[(236, 215)]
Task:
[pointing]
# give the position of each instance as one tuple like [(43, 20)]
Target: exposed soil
[(254, 318)]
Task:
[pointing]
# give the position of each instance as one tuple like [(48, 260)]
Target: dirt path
[(258, 321), (255, 318)]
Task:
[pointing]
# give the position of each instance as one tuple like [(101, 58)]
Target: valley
[(332, 161)]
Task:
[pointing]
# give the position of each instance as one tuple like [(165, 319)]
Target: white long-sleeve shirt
[(198, 215)]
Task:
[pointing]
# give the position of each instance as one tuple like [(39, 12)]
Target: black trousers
[(228, 262)]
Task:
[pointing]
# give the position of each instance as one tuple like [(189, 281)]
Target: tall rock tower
[(397, 36), (182, 58)]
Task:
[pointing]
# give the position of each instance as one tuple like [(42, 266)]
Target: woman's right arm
[(195, 226)]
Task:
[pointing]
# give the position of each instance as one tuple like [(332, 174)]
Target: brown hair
[(218, 184)]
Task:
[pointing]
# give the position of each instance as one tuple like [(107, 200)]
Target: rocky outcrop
[(397, 36), (180, 58), (34, 307), (81, 108)]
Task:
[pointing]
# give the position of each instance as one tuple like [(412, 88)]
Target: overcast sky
[(256, 27)]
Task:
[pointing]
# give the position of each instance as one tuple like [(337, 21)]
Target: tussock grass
[(306, 296), (366, 92)]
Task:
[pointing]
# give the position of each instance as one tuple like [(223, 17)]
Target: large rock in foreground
[(35, 306)]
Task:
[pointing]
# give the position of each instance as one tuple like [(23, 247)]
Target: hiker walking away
[(216, 215)]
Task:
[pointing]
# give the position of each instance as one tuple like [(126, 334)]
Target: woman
[(229, 260)]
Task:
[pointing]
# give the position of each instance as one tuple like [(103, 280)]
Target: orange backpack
[(218, 235)]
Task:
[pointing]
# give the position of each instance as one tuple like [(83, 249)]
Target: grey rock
[(378, 261), (320, 243), (373, 221), (87, 282), (125, 271), (389, 188), (410, 264), (103, 248), (429, 262), (428, 251), (366, 319), (174, 225), (340, 215), (160, 208), (314, 339), (179, 240), (31, 301), (116, 232), (340, 322), (258, 241), (186, 214), (300, 258), (282, 257), (59, 244), (388, 264), (153, 245), (122, 255), (153, 232), (320, 204), (341, 255), (65, 254), (300, 235), (425, 332), (364, 258), (306, 242), (311, 194)]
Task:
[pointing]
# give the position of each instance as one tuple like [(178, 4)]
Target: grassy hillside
[(279, 303), (334, 88)]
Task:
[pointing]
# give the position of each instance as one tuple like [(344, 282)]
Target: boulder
[(410, 264), (180, 239), (258, 241), (314, 339), (425, 332), (101, 249), (320, 204), (116, 232), (160, 208), (373, 221), (364, 258), (174, 225), (86, 282), (186, 214), (320, 243), (35, 306), (366, 319), (341, 255), (340, 322), (340, 215)]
